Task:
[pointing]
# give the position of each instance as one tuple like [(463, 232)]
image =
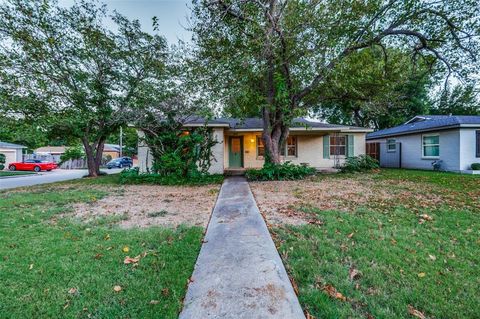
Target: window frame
[(424, 145), (283, 152), (390, 142), (477, 143), (257, 146), (295, 145), (345, 145)]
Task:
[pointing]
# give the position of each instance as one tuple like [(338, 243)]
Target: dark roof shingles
[(431, 122)]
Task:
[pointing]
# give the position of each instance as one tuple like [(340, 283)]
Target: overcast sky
[(172, 15)]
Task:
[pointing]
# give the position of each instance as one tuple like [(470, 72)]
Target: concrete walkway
[(239, 273)]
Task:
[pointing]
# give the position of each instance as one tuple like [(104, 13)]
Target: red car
[(32, 165)]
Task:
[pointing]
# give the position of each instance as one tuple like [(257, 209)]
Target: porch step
[(234, 171)]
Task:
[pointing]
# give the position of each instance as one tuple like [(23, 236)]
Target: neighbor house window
[(431, 145), (338, 145), (260, 147), (391, 145), (477, 134)]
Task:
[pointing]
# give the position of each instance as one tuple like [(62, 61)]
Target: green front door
[(235, 155)]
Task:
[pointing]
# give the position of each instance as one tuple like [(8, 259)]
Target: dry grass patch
[(285, 202), (148, 205)]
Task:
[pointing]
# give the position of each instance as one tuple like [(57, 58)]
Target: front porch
[(234, 171)]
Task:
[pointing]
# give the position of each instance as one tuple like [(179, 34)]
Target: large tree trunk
[(94, 154)]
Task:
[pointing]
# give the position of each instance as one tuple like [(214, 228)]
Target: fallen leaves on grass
[(154, 302), (416, 313), (332, 292), (135, 260), (316, 222), (117, 288), (424, 218), (350, 235), (421, 274), (72, 291), (129, 260), (353, 273), (30, 267), (432, 257)]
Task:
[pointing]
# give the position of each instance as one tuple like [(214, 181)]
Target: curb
[(19, 176)]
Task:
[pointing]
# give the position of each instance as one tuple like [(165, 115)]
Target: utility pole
[(121, 141)]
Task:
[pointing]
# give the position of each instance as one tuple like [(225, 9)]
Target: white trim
[(423, 146), (394, 144)]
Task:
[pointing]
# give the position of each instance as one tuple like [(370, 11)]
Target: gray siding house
[(450, 141)]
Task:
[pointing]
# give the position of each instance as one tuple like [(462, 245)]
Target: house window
[(477, 133), (391, 145), (338, 145), (292, 146), (431, 145), (260, 147)]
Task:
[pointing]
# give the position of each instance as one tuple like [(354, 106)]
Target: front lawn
[(395, 244), (53, 265)]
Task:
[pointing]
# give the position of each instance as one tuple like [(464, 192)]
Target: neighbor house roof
[(51, 149), (111, 148), (10, 145), (61, 149), (255, 123), (426, 123)]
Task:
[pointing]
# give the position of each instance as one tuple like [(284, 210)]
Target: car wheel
[(37, 169), (12, 168), (109, 167), (49, 170)]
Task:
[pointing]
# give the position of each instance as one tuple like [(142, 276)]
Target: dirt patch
[(280, 201), (145, 205)]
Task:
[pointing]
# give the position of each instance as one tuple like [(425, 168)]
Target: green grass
[(432, 266), (43, 256), (8, 173)]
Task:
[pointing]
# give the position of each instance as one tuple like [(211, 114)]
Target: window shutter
[(478, 143), (350, 146), (326, 146)]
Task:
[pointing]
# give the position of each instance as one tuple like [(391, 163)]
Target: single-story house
[(240, 145), (450, 141), (12, 152)]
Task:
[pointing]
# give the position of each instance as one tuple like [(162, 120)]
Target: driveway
[(57, 175)]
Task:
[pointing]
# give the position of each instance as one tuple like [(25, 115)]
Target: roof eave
[(440, 128)]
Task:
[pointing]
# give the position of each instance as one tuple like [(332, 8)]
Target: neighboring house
[(452, 141), (112, 150), (50, 153), (12, 152), (53, 153), (240, 145)]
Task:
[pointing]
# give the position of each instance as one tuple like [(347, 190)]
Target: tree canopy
[(277, 54), (62, 68)]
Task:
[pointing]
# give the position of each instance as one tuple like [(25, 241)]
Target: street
[(57, 175)]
